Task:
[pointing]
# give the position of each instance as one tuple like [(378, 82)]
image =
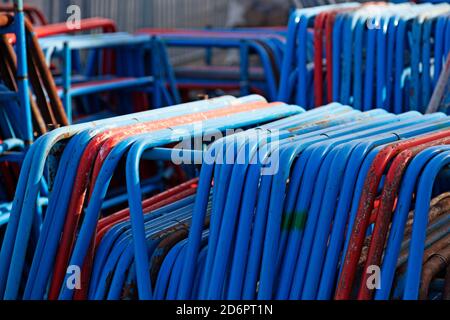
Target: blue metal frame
[(129, 48), (243, 45), (413, 126), (18, 28), (370, 46), (61, 200), (16, 121), (33, 169), (44, 145)]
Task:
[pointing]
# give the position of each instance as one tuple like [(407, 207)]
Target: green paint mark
[(294, 221)]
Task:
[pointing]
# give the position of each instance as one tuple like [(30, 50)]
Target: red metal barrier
[(366, 205), (319, 25), (106, 25), (386, 207)]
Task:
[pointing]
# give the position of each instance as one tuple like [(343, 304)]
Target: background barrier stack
[(380, 55), (343, 194)]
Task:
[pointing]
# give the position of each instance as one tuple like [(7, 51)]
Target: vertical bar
[(442, 89), (67, 69), (208, 52), (22, 70), (155, 72), (244, 65)]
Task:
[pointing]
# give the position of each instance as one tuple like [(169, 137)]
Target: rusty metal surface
[(5, 20), (47, 79), (46, 106), (387, 205), (8, 70), (446, 295), (366, 205), (437, 263), (179, 192)]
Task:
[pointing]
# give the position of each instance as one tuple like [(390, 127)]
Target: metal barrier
[(33, 14), (137, 63), (154, 76), (380, 55), (277, 252), (16, 25), (334, 202), (22, 117), (297, 208), (266, 44), (45, 145)]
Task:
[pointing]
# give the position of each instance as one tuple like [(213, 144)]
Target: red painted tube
[(384, 212), (366, 205), (5, 20), (95, 149), (106, 25), (319, 24), (329, 54), (166, 123), (114, 218)]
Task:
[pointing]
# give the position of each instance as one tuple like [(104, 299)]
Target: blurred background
[(135, 14), (132, 15)]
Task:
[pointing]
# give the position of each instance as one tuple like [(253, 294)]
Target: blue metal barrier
[(131, 74), (383, 55), (283, 203), (267, 44), (268, 224)]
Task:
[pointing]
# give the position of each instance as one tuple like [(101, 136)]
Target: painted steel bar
[(365, 207), (440, 93)]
